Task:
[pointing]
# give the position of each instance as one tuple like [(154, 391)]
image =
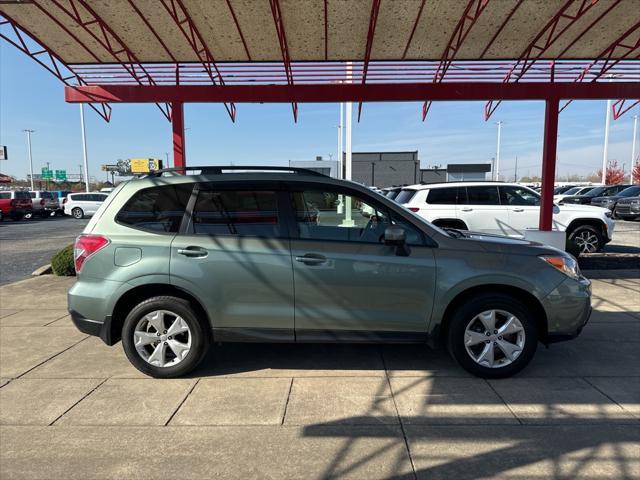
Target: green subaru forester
[(173, 263)]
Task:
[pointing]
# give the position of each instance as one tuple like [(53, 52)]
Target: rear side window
[(405, 196), (443, 196), (483, 195), (156, 209), (233, 212), (33, 194), (23, 196), (79, 197)]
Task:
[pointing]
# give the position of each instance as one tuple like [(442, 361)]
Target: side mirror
[(395, 236)]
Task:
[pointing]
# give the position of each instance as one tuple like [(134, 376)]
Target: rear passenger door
[(479, 208), (234, 254)]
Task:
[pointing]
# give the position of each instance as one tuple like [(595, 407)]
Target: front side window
[(5, 195), (519, 196), (237, 212), (330, 215), (157, 209), (484, 195)]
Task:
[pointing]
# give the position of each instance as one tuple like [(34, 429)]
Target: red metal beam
[(177, 127), (284, 48), (548, 163), (373, 20), (619, 109), (180, 15), (622, 49), (469, 17), (551, 32), (47, 59), (91, 23), (353, 92)]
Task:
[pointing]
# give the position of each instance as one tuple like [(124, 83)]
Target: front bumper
[(568, 309)]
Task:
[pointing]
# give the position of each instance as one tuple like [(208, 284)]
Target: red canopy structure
[(170, 52)]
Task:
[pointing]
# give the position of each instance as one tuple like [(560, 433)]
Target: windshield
[(405, 196), (630, 192), (596, 191), (573, 191)]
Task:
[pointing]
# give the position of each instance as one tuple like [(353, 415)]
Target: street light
[(29, 132), (497, 172), (634, 161)]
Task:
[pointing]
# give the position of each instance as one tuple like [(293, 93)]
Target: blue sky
[(455, 132)]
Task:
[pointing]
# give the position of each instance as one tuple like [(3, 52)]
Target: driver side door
[(348, 284)]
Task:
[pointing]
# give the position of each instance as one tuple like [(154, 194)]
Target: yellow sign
[(145, 165)]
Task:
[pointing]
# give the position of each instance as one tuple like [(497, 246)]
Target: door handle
[(193, 252), (467, 209), (311, 259), (518, 209)]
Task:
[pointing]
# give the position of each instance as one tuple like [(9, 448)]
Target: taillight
[(85, 246), (414, 209), (42, 202)]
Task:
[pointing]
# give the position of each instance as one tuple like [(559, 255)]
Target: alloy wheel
[(494, 338), (162, 338), (587, 241)]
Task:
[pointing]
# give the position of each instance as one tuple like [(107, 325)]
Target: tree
[(635, 172), (614, 175)]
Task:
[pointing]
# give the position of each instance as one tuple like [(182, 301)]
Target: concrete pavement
[(71, 407)]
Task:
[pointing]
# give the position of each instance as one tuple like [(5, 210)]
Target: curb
[(43, 270)]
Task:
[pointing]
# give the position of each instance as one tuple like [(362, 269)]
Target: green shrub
[(572, 248), (62, 262)]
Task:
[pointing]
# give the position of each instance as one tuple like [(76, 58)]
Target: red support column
[(549, 162), (177, 123)]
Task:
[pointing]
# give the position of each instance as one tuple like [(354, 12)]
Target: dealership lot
[(75, 408)]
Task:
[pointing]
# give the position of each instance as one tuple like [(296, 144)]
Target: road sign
[(61, 175), (3, 153), (47, 174)]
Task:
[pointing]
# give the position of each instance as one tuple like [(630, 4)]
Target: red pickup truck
[(15, 204)]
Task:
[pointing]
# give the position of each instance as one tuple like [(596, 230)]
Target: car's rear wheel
[(162, 337), (588, 238), (27, 215), (493, 336), (77, 213)]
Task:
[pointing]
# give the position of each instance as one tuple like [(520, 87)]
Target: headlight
[(566, 264)]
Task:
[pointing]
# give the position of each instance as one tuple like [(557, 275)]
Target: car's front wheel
[(588, 238), (493, 335), (162, 337), (77, 213)]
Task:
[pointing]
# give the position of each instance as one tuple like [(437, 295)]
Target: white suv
[(504, 209), (80, 205)]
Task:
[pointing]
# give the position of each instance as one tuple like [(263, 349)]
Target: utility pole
[(29, 132), (515, 175), (634, 160), (348, 222), (498, 151), (605, 150), (84, 148)]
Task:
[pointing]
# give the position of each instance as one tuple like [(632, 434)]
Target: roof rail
[(218, 170)]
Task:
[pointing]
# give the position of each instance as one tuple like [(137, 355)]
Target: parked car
[(505, 209), (628, 208), (44, 203), (15, 204), (174, 264), (571, 192), (562, 188), (80, 205), (611, 201), (602, 191)]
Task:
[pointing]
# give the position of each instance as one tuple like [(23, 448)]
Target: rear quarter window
[(156, 209), (443, 196), (405, 196)]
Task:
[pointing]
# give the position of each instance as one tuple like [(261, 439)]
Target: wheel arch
[(135, 295), (593, 222), (517, 293)]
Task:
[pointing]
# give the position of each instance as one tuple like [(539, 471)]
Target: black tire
[(465, 313), (77, 213), (588, 238), (177, 306)]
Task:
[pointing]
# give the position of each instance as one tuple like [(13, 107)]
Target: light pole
[(339, 173), (634, 161), (29, 132), (497, 172), (84, 149), (605, 150)]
